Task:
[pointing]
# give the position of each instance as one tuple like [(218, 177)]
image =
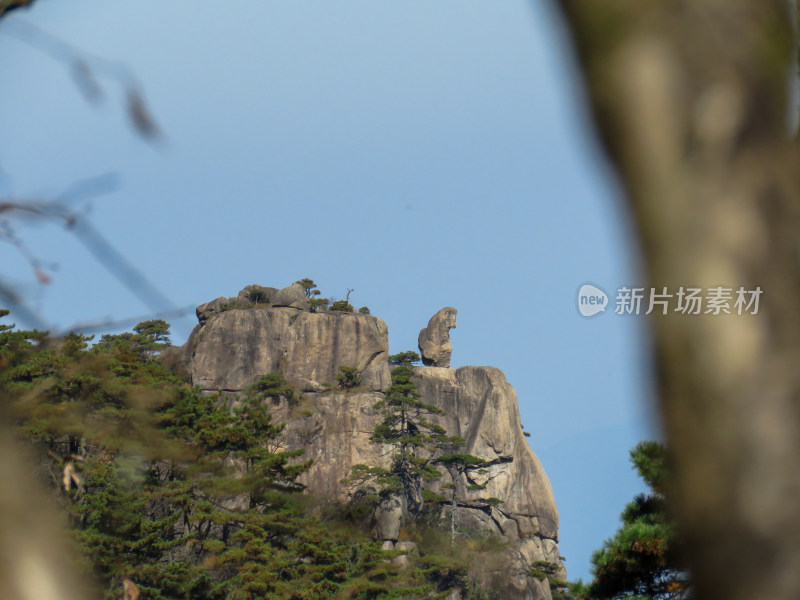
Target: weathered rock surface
[(481, 407), (434, 340), (388, 519), (292, 296), (204, 311), (334, 428), (232, 349), (243, 300)]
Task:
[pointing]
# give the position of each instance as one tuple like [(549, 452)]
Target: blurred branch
[(117, 324), (87, 70), (19, 308), (59, 210), (116, 264)]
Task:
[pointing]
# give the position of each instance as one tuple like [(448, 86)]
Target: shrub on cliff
[(257, 295), (271, 385), (341, 305), (348, 378)]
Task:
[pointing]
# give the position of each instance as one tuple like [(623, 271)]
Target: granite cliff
[(236, 342)]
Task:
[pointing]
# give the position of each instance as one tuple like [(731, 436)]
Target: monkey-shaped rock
[(434, 340)]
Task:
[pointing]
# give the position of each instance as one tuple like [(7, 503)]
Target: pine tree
[(640, 561), (406, 429)]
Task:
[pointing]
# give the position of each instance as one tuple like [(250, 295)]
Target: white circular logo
[(591, 300)]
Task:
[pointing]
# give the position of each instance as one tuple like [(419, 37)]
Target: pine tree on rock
[(405, 428)]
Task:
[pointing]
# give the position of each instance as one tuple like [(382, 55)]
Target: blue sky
[(423, 153)]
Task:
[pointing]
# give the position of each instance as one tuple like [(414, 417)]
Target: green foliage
[(313, 294), (358, 511), (460, 466), (257, 294), (175, 490), (148, 338), (544, 570), (447, 572), (461, 462), (432, 498), (405, 427), (154, 333), (448, 565), (272, 386), (319, 303), (236, 303), (576, 590), (15, 343), (309, 287), (640, 560), (348, 378), (490, 501), (341, 305), (406, 358), (415, 441), (361, 474), (650, 459)]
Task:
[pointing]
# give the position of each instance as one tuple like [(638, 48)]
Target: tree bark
[(690, 100)]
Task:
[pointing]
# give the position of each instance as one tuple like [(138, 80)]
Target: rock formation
[(292, 296), (233, 346), (241, 343), (257, 293), (434, 340)]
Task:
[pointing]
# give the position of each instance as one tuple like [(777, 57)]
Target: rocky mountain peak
[(264, 330)]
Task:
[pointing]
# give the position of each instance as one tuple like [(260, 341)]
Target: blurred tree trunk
[(690, 99), (36, 561)]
